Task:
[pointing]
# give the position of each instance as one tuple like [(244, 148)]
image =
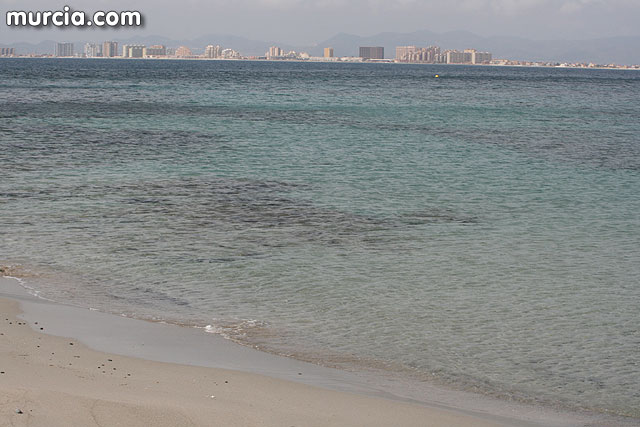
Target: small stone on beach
[(18, 411)]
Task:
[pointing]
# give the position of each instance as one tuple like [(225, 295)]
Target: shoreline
[(51, 381), (190, 348), (620, 68)]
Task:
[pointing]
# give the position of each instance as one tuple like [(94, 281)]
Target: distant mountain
[(619, 50), (44, 47), (243, 45)]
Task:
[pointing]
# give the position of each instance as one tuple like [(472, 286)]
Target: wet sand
[(120, 371)]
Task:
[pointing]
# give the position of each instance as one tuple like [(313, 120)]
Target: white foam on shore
[(31, 290), (204, 346), (232, 331)]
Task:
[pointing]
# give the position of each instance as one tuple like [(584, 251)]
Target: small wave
[(21, 274), (237, 331)]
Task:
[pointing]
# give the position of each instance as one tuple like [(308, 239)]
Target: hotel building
[(372, 52), (133, 51), (109, 49), (64, 50), (155, 50), (212, 51), (274, 52), (92, 50)]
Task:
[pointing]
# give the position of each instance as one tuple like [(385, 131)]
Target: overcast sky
[(303, 22)]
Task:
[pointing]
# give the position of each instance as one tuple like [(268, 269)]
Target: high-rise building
[(7, 51), (183, 52), (274, 52), (155, 50), (328, 52), (457, 57), (133, 50), (64, 49), (92, 50), (403, 53), (372, 52), (478, 57), (433, 55), (230, 54), (110, 49), (212, 51), (482, 58)]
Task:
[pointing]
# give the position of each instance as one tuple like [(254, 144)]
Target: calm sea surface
[(481, 229)]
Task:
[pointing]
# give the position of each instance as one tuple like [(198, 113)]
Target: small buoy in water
[(437, 75)]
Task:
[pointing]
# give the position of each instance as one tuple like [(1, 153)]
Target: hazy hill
[(241, 44), (620, 50), (46, 46)]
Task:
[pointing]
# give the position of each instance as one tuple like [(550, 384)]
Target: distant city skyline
[(403, 54), (303, 22), (615, 50)]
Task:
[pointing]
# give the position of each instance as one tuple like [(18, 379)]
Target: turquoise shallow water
[(481, 229)]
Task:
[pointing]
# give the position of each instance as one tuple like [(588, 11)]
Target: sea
[(478, 230)]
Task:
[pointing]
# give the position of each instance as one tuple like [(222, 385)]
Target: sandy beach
[(52, 381), (120, 371)]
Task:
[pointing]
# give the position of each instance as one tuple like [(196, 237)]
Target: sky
[(306, 22)]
